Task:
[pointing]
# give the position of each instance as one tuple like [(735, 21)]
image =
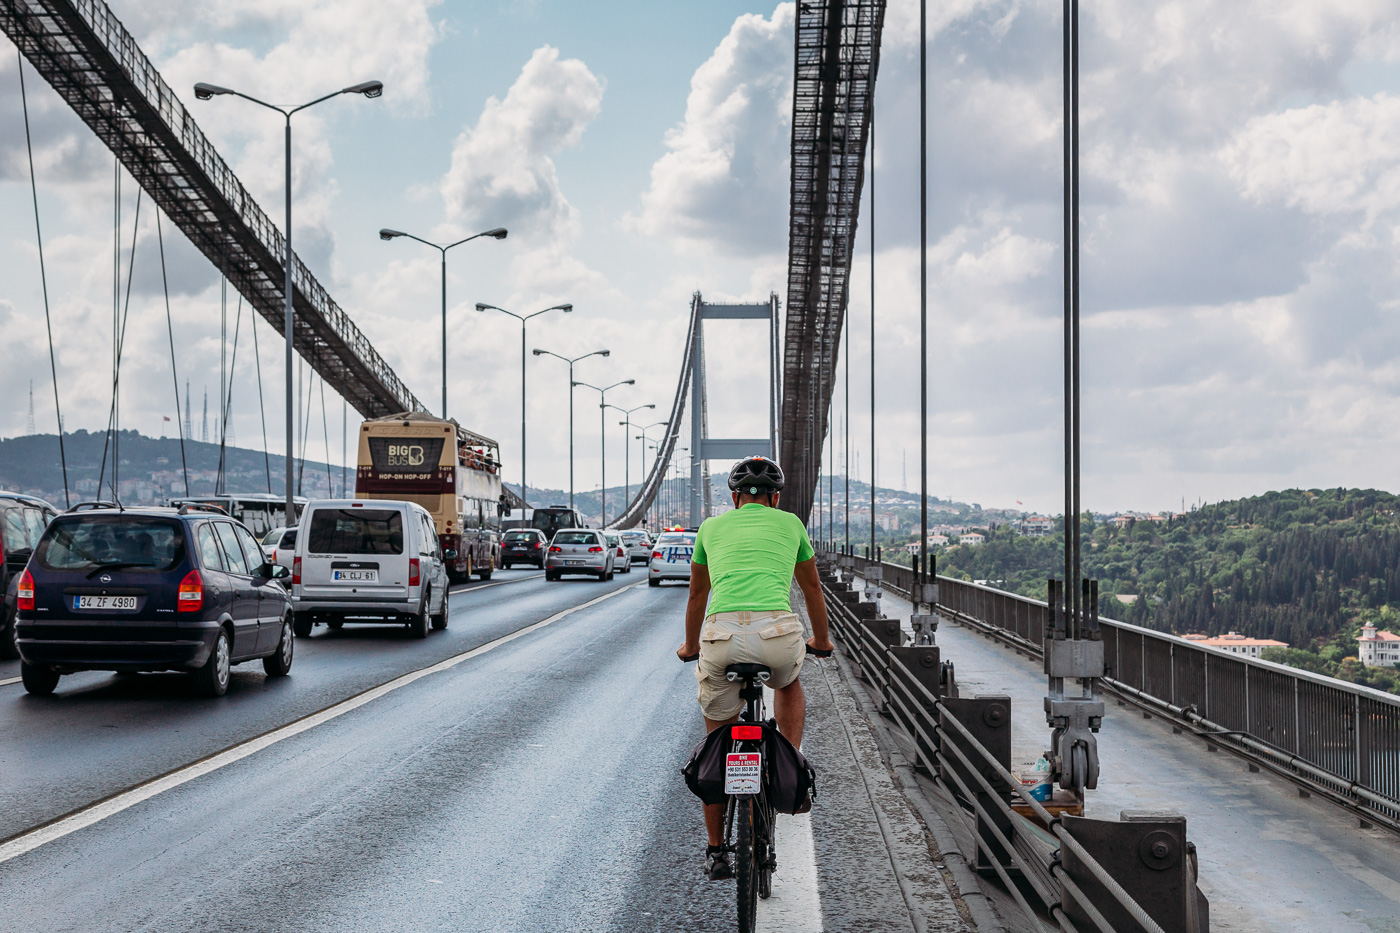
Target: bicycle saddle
[(759, 672)]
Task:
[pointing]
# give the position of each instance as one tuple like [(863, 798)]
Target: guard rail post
[(924, 663), (1148, 855), (988, 719)]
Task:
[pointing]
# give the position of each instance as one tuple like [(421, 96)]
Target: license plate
[(677, 555), (355, 576), (104, 602), (574, 563), (741, 773)]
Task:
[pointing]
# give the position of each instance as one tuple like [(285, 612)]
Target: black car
[(523, 546), (150, 589), (22, 522)]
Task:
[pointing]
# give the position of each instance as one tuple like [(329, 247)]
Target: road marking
[(95, 813), (467, 587), (795, 906), (10, 680)]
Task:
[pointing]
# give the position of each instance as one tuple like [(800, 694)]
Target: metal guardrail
[(1339, 740), (946, 746)]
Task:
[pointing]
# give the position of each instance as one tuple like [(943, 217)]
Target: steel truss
[(838, 56), (94, 64)]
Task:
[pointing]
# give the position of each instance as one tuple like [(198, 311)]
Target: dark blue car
[(113, 589)]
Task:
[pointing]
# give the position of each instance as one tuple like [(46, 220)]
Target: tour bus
[(453, 473), (549, 520), (259, 511)]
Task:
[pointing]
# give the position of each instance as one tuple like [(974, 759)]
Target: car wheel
[(9, 639), (279, 663), (301, 624), (440, 620), (507, 565), (39, 681), (211, 680), (421, 622), (335, 625), (651, 581)]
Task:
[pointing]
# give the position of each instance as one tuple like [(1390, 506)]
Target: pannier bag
[(791, 781)]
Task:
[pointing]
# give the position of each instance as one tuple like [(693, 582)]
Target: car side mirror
[(275, 572), (450, 554)]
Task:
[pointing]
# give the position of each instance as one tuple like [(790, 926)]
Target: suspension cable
[(228, 395), (43, 279), (174, 373), (326, 436), (119, 337), (262, 409)]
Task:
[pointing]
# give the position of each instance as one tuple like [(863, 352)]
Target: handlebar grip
[(693, 657), (818, 654)]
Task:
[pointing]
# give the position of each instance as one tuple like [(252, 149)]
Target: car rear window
[(521, 536), (674, 540), (355, 531), (121, 542), (575, 537)]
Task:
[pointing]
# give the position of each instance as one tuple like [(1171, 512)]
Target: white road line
[(795, 906), (467, 587), (81, 819), (10, 680)]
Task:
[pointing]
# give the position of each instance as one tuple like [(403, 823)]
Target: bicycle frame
[(765, 858)]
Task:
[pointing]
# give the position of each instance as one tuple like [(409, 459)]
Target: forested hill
[(1301, 566)]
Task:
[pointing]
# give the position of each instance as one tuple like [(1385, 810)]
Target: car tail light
[(595, 550), (746, 733), (555, 549), (296, 570), (274, 555), (537, 544), (413, 571), (25, 592), (655, 555), (191, 592)]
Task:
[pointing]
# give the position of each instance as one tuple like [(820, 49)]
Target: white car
[(279, 546), (369, 560), (670, 557), (638, 545), (621, 561)]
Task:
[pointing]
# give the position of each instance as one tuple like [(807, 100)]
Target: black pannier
[(791, 779)]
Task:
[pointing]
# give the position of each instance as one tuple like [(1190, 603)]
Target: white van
[(368, 560)]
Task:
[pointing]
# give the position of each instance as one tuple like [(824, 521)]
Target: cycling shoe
[(717, 867)]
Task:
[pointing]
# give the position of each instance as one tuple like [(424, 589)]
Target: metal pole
[(444, 332), (524, 496), (571, 434), (923, 285), (603, 457), (287, 325), (872, 326)]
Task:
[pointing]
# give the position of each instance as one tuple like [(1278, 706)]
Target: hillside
[(1305, 567)]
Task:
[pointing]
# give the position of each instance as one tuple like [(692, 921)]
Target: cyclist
[(740, 611)]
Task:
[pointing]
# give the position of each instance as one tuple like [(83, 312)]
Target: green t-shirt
[(751, 553)]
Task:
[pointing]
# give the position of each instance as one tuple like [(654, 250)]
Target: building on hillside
[(937, 540), (1035, 526), (1235, 643), (971, 538), (888, 522), (1123, 521), (1378, 649)]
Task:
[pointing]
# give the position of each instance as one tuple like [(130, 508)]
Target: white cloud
[(724, 180)]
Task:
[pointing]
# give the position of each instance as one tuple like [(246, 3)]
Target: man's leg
[(714, 812), (790, 709)]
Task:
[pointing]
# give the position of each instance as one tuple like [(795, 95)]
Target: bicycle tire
[(746, 857), (763, 848)]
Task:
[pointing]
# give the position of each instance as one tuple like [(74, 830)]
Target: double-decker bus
[(453, 473)]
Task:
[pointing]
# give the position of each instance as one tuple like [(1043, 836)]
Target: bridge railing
[(1336, 739)]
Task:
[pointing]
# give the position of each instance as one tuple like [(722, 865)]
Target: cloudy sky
[(1241, 201)]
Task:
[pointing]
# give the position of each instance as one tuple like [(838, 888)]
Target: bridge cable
[(326, 436), (114, 415), (228, 395), (305, 413), (1073, 572), (923, 285), (262, 409), (174, 373), (870, 554), (119, 342), (43, 278)]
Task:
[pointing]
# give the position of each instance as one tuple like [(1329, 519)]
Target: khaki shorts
[(769, 636)]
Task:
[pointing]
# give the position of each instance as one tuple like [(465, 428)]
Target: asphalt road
[(532, 785)]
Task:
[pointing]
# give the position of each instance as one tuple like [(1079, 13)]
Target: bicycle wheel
[(746, 862), (763, 847)]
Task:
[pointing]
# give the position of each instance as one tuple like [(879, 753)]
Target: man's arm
[(811, 585), (695, 610)]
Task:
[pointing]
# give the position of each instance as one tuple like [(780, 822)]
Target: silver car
[(579, 550), (670, 557), (621, 561), (638, 546)]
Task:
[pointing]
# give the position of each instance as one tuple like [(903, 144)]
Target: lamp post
[(496, 233), (566, 308), (627, 425), (571, 363), (370, 89), (602, 438)]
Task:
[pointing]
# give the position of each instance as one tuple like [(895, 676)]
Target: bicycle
[(749, 816)]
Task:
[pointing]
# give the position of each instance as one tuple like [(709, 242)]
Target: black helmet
[(755, 475)]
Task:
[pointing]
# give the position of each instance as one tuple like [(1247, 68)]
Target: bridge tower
[(703, 447)]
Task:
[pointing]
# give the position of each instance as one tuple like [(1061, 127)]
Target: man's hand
[(820, 645), (688, 652)]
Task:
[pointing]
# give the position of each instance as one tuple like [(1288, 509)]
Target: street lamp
[(627, 448), (602, 437), (496, 233), (369, 89), (566, 308), (571, 363)]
